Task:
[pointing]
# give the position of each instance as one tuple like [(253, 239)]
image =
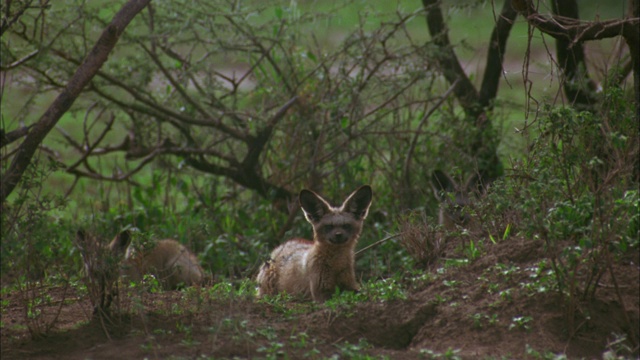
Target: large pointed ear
[(81, 241), (313, 206), (358, 202), (81, 236), (474, 184), (120, 243), (442, 182)]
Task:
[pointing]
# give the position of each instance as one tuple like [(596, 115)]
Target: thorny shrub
[(578, 191)]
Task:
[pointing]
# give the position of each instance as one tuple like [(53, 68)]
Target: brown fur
[(171, 262), (315, 269)]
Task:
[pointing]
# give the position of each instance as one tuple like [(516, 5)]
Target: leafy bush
[(37, 251), (577, 190)]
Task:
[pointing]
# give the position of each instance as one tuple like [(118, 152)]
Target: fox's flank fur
[(314, 269), (169, 261)]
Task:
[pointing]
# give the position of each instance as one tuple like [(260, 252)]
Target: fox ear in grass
[(81, 235), (81, 238), (358, 202), (84, 242), (442, 183), (313, 205), (121, 243)]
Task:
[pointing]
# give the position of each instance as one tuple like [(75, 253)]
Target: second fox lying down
[(314, 269), (171, 262)]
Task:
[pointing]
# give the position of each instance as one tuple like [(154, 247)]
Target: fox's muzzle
[(338, 238)]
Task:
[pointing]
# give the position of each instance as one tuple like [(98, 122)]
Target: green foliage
[(37, 252), (577, 191), (481, 320), (36, 242), (450, 354), (371, 291), (546, 355), (521, 322), (355, 351), (244, 289), (473, 250)]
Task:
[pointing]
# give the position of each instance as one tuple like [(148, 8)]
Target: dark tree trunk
[(577, 85), (495, 55), (475, 104)]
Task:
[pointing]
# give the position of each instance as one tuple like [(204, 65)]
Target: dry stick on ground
[(378, 243), (85, 72)]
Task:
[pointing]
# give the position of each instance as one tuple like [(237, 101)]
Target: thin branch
[(414, 141), (377, 243), (575, 31), (85, 72), (8, 138), (91, 147), (19, 62), (174, 83), (136, 95), (257, 145)]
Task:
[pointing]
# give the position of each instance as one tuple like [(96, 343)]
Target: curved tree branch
[(481, 147), (85, 72), (465, 92), (578, 87), (257, 145), (573, 32)]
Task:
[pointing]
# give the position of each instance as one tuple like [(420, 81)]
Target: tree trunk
[(577, 85)]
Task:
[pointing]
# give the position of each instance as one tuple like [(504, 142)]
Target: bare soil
[(493, 307)]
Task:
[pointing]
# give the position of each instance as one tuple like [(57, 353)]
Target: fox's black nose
[(338, 238)]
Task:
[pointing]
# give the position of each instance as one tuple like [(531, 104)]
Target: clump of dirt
[(499, 305)]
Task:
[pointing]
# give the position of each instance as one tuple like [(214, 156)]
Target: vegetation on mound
[(548, 271)]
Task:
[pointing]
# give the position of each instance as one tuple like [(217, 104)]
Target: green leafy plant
[(354, 351), (479, 320), (521, 322), (450, 354), (473, 250), (577, 191)]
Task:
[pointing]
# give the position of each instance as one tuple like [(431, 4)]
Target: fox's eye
[(346, 227)]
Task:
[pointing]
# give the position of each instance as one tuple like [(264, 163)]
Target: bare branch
[(157, 108), (89, 149), (258, 144), (574, 32), (21, 61), (414, 142), (63, 102), (8, 138)]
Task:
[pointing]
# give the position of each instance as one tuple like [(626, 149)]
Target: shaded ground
[(497, 306)]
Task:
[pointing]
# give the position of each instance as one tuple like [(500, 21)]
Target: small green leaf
[(311, 56), (507, 231), (279, 13)]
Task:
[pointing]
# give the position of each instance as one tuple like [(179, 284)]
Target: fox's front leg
[(320, 291)]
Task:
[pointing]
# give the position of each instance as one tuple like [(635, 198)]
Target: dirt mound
[(502, 304)]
